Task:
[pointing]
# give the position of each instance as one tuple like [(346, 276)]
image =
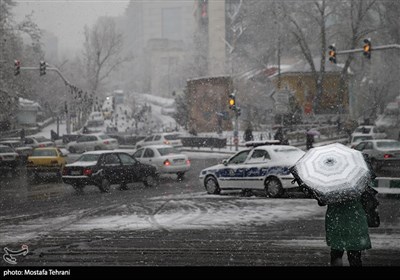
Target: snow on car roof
[(100, 152), (158, 146)]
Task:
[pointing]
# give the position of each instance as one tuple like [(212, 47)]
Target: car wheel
[(273, 187), (97, 148), (72, 150), (151, 181), (105, 185), (211, 185), (180, 176)]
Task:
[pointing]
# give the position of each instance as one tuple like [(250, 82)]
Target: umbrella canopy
[(313, 132), (333, 172)]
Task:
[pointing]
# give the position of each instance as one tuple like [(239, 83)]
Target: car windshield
[(104, 137), (167, 151), (44, 153), (362, 130), (171, 136), (390, 145), (6, 150), (361, 138), (89, 157)]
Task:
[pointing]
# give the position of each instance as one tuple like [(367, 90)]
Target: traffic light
[(367, 48), (232, 101), (43, 66), (332, 53), (17, 67)]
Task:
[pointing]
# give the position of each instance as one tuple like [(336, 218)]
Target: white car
[(259, 168), (381, 152), (38, 142), (357, 138), (92, 142), (373, 131), (160, 139), (165, 158)]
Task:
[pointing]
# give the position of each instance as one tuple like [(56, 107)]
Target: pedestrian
[(309, 140), (346, 229), (248, 134), (279, 135), (22, 135)]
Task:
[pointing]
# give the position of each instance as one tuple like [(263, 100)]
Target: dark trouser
[(354, 257)]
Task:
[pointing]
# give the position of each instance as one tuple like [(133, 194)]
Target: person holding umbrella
[(346, 229), (337, 176)]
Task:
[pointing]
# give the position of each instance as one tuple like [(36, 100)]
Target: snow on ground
[(53, 126), (156, 100), (191, 211), (177, 212)]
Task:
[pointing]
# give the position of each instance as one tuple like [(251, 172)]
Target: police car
[(258, 168)]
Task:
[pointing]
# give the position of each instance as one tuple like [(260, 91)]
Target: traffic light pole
[(236, 131), (377, 48), (67, 83)]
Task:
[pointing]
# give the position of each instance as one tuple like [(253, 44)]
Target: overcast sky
[(67, 18)]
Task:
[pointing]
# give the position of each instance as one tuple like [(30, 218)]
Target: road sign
[(281, 97)]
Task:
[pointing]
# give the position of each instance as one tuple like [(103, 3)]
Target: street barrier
[(388, 185), (210, 142)]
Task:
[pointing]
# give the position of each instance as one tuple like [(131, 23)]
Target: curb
[(388, 185)]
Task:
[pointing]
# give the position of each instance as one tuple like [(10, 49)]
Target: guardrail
[(388, 185), (201, 142)]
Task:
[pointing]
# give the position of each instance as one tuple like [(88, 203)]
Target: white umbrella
[(333, 172)]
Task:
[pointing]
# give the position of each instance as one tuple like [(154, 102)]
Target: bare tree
[(102, 51)]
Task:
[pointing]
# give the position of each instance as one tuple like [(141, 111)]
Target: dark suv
[(103, 168)]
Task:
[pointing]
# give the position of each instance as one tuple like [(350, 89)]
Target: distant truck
[(208, 106), (119, 96)]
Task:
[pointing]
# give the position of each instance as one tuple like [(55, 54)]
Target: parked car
[(103, 168), (44, 162), (259, 168), (38, 142), (23, 151), (160, 139), (374, 131), (382, 152), (358, 137), (92, 142), (165, 158), (9, 160)]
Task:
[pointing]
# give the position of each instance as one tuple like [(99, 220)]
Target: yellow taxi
[(45, 161)]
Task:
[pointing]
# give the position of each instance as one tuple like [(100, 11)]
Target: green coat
[(346, 226)]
